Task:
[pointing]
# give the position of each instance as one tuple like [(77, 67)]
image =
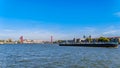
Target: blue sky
[(64, 19)]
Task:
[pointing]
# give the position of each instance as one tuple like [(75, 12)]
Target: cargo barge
[(91, 44)]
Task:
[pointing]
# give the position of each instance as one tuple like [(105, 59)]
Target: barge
[(115, 45)]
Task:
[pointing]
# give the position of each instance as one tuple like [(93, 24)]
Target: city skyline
[(62, 19)]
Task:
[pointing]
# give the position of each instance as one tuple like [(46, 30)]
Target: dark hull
[(91, 45)]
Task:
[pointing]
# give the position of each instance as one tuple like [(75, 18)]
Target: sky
[(62, 19)]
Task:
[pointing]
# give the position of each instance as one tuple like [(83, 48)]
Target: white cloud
[(33, 34), (110, 32), (117, 14), (43, 34), (9, 30), (89, 29), (37, 32)]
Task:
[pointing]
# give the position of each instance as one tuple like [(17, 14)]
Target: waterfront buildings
[(114, 39), (28, 41), (79, 40), (8, 41), (1, 42), (74, 40)]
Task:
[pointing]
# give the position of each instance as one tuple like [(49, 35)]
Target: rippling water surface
[(54, 56)]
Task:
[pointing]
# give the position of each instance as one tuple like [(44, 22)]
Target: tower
[(21, 39), (51, 39)]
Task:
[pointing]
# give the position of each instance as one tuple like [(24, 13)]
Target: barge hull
[(90, 45)]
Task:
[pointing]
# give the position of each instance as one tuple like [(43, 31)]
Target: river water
[(54, 56)]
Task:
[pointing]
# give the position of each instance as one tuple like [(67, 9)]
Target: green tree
[(103, 39), (84, 36), (2, 40), (60, 41), (88, 39), (9, 40)]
